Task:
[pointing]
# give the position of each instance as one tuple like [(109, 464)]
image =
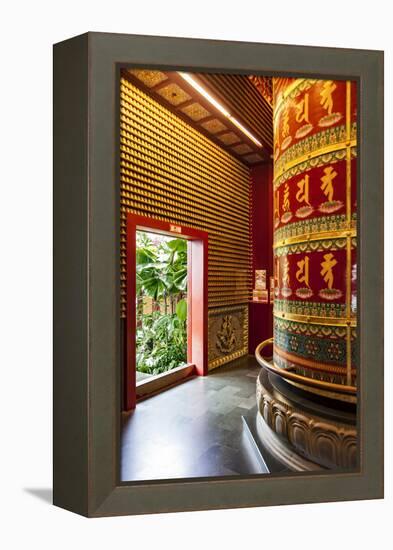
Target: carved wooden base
[(302, 432)]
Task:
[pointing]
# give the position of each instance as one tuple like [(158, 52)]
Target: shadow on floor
[(43, 494)]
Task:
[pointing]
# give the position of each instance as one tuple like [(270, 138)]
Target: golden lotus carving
[(226, 337)]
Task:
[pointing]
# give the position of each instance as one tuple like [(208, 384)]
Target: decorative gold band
[(331, 148), (297, 377), (315, 320), (313, 365), (322, 235)]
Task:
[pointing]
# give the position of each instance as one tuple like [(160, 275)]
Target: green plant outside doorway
[(161, 294)]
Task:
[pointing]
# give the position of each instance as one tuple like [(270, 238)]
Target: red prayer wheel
[(315, 228)]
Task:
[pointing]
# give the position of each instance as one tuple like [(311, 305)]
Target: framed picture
[(261, 296), (181, 167), (260, 279)]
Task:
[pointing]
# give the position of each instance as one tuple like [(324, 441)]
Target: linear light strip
[(195, 84)]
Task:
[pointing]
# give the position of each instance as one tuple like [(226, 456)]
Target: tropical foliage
[(161, 278)]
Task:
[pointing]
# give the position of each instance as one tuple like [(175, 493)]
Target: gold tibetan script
[(326, 95), (285, 272), (285, 123), (303, 271), (302, 194), (327, 182), (302, 110), (286, 204), (277, 205), (327, 269)]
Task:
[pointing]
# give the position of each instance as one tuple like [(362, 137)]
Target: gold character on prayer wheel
[(327, 269), (303, 271)]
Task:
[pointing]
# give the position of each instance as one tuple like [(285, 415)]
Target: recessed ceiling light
[(199, 88)]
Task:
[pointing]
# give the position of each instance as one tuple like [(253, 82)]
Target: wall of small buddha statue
[(170, 171), (315, 228)]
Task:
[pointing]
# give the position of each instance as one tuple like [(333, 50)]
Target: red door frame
[(197, 316)]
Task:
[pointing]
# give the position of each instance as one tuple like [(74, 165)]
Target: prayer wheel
[(315, 228), (307, 393)]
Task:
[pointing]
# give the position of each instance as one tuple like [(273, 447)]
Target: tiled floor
[(194, 429)]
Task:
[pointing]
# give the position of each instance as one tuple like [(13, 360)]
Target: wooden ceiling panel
[(214, 126), (234, 92), (195, 111), (254, 158), (149, 78), (242, 149), (229, 138), (245, 102), (174, 94)]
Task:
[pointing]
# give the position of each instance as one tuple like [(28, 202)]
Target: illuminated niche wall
[(170, 171)]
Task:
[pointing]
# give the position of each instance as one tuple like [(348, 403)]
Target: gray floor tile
[(193, 429)]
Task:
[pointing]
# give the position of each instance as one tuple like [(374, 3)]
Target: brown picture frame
[(87, 336)]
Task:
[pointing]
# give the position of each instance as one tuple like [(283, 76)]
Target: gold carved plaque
[(228, 334), (226, 337)]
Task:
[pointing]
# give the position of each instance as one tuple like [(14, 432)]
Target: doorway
[(187, 312)]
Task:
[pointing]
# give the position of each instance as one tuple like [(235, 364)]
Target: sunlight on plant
[(161, 287)]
